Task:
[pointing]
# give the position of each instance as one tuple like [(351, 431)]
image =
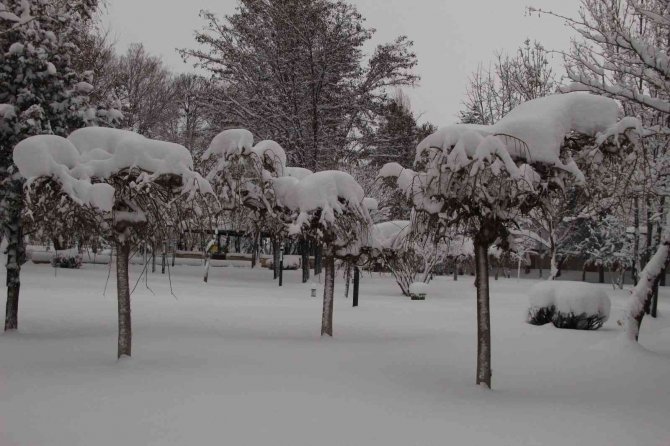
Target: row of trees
[(294, 70)]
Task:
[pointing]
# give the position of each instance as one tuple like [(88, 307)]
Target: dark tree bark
[(601, 274), (254, 251), (318, 251), (16, 256), (654, 296), (347, 279), (275, 257), (357, 280), (482, 245), (584, 272), (328, 296), (304, 251), (163, 259), (123, 294)]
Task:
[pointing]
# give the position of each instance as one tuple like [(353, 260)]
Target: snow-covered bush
[(66, 261), (574, 305), (418, 290)]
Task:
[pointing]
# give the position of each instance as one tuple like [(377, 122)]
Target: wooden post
[(356, 284)]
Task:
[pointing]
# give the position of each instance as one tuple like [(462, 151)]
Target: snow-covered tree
[(328, 208), (40, 92), (294, 71), (133, 181), (481, 179), (621, 52)]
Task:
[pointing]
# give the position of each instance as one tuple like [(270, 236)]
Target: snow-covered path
[(239, 361)]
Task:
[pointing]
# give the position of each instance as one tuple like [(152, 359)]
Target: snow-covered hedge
[(66, 261), (566, 304)]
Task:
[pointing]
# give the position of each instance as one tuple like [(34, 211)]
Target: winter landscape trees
[(294, 71), (292, 140)]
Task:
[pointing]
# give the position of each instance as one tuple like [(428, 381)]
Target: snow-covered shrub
[(66, 261), (574, 305), (418, 290)]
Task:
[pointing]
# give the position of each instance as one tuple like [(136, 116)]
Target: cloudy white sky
[(451, 37)]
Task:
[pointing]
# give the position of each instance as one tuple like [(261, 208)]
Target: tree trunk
[(275, 257), (16, 256), (584, 272), (318, 257), (163, 258), (483, 315), (455, 271), (328, 295), (636, 240), (254, 250), (654, 296), (641, 295), (305, 261), (347, 279), (601, 273), (357, 281), (123, 293)]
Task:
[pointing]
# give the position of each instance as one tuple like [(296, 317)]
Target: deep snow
[(240, 361)]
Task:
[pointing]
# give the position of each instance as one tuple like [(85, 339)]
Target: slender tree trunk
[(318, 257), (347, 279), (636, 240), (275, 257), (641, 295), (163, 258), (16, 255), (483, 315), (357, 281), (153, 258), (254, 251), (328, 296), (654, 296), (455, 271), (123, 293), (305, 260)]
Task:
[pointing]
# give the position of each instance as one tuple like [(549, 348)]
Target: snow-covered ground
[(239, 361)]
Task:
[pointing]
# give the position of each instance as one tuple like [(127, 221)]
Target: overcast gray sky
[(450, 37)]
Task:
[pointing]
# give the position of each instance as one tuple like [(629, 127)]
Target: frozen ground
[(239, 361)]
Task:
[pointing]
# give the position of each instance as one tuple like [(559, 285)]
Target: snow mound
[(297, 172), (106, 152), (56, 157), (390, 235), (418, 288), (230, 143), (568, 304), (271, 156), (331, 191), (532, 132)]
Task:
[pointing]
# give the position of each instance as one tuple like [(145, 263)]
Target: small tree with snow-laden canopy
[(243, 174), (329, 208), (132, 180), (406, 254), (482, 178)]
